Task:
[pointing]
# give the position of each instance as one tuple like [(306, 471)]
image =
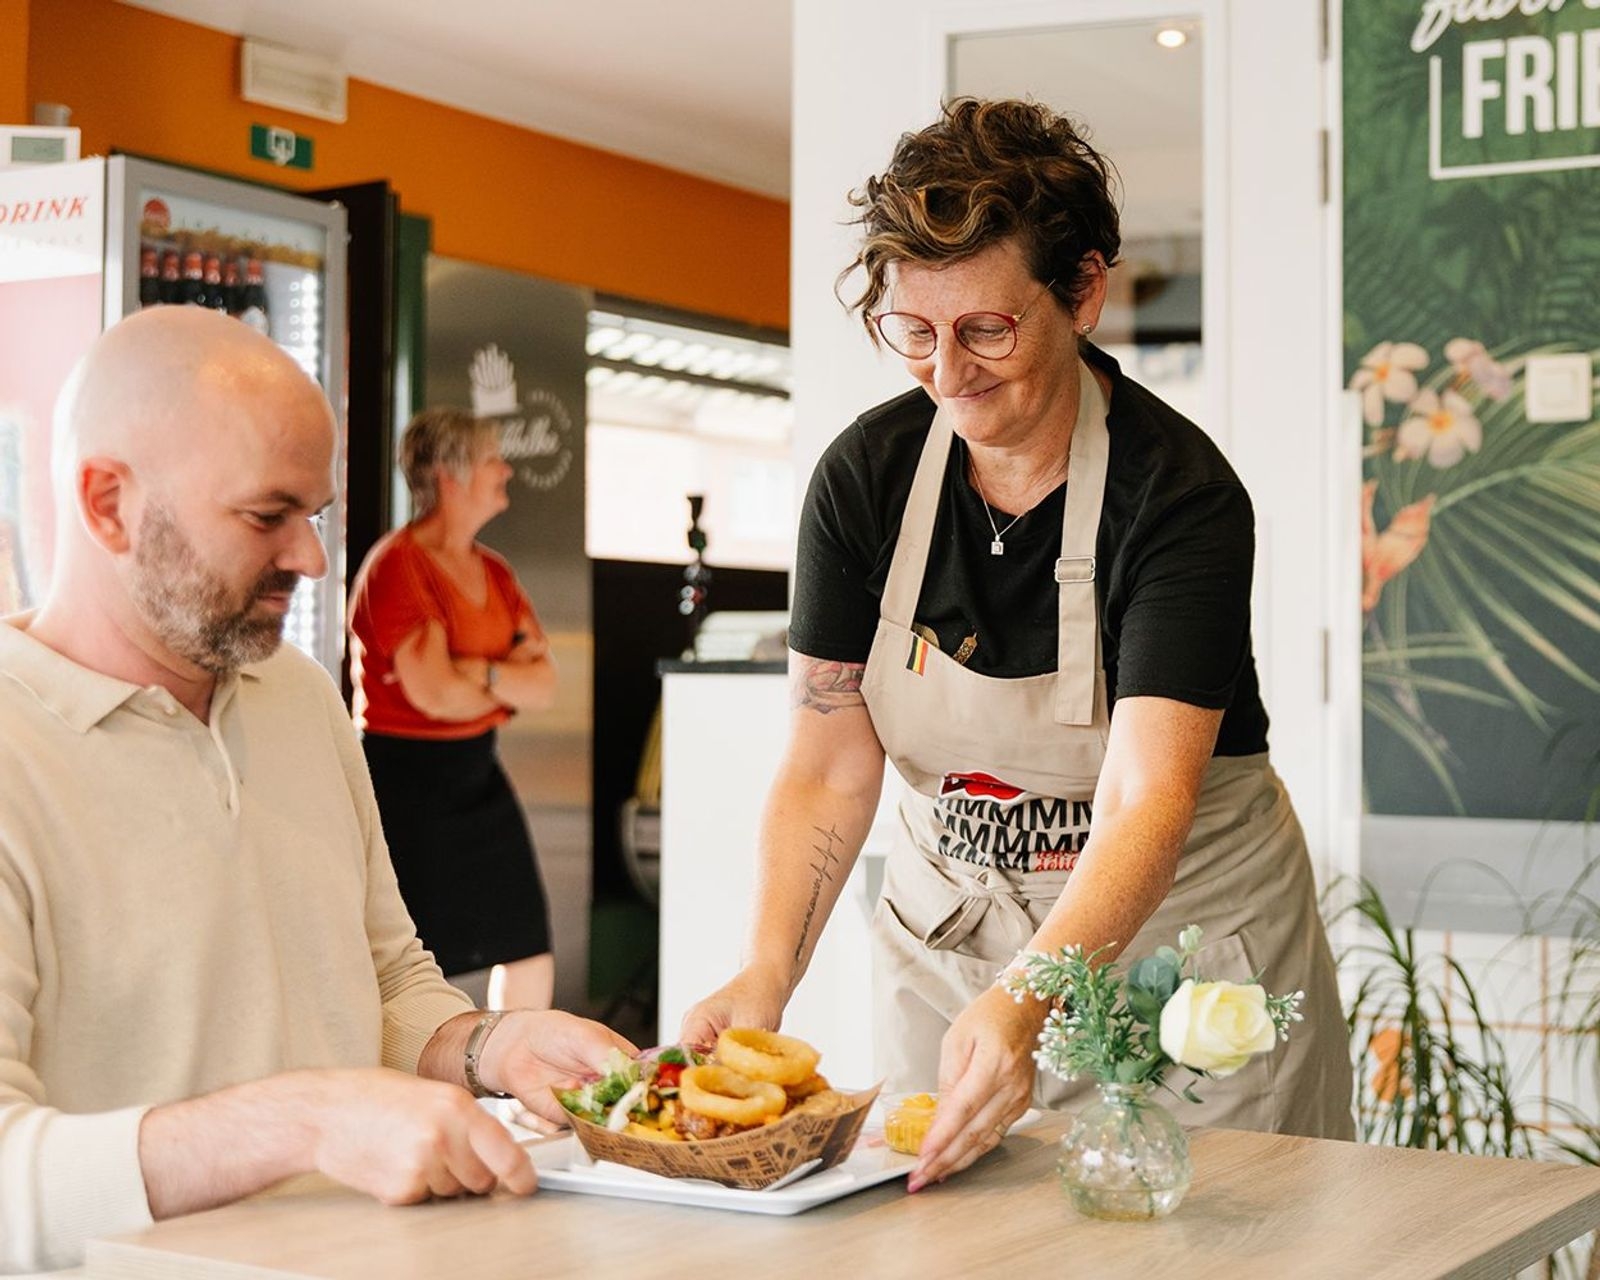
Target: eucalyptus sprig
[(1128, 1028)]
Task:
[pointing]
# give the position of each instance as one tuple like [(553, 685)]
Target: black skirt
[(461, 849)]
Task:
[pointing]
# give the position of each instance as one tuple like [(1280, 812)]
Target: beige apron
[(1000, 774)]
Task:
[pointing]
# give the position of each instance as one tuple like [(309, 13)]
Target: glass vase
[(1125, 1157)]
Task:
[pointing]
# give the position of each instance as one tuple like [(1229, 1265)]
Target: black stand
[(697, 577)]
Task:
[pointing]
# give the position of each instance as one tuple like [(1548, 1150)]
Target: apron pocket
[(1248, 1098), (952, 924), (1225, 960), (889, 916)]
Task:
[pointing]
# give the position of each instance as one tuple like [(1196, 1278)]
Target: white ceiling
[(704, 86), (1139, 102)]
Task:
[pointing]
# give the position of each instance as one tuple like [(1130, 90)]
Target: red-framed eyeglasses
[(989, 335)]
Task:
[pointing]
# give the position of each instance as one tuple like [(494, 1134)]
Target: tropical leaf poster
[(1472, 246)]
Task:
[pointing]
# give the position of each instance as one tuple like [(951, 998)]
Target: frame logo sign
[(1525, 92)]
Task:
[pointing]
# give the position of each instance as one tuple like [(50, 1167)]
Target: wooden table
[(1260, 1206)]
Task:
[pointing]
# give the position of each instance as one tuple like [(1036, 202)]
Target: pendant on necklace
[(997, 548)]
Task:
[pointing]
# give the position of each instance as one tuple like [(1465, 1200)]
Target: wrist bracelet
[(491, 674), (475, 1044)]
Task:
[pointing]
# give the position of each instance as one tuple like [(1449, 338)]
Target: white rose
[(1216, 1026)]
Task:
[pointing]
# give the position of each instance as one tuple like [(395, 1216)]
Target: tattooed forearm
[(825, 686), (823, 863)]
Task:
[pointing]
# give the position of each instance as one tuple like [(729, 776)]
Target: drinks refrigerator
[(77, 246)]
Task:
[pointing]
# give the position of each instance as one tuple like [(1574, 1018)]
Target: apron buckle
[(1075, 569)]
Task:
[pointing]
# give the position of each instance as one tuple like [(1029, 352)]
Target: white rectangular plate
[(560, 1170), (563, 1166)]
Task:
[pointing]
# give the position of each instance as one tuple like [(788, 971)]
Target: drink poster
[(1471, 210), (52, 242)]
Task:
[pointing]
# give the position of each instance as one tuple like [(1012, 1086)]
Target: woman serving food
[(1026, 582)]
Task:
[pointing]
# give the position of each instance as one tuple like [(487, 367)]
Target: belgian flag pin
[(917, 659)]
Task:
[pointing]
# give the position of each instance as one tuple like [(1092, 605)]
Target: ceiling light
[(1172, 37), (629, 346)]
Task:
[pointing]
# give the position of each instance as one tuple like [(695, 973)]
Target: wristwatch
[(491, 675), (475, 1043)]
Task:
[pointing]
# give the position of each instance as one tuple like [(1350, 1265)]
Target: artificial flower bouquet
[(1125, 1157), (1129, 1026)]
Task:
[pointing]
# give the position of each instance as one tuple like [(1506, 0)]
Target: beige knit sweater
[(182, 907)]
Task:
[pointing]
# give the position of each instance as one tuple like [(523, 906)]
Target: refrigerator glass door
[(276, 262)]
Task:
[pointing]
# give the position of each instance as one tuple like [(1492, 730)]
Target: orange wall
[(14, 106), (497, 194)]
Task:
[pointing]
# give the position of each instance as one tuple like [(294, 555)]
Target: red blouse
[(400, 589)]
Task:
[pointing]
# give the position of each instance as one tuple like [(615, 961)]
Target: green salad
[(633, 1088)]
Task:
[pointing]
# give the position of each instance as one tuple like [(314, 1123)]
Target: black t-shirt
[(1174, 559)]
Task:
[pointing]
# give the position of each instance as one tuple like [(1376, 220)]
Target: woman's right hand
[(753, 998)]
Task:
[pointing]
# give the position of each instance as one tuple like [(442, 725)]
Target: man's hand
[(986, 1073), (753, 998), (529, 1053), (383, 1132), (402, 1139)]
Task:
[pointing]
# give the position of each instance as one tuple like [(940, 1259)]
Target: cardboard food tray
[(750, 1160)]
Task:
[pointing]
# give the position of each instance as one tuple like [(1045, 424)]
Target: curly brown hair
[(984, 172)]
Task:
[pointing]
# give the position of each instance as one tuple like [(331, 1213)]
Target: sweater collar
[(78, 696)]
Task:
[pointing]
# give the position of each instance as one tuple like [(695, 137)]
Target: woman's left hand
[(986, 1071)]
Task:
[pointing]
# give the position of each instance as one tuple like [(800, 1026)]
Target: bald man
[(208, 981)]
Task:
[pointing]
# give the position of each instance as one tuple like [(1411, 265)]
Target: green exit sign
[(282, 147)]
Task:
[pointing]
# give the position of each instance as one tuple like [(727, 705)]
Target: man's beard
[(193, 611)]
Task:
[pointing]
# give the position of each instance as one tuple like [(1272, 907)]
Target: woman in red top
[(445, 648)]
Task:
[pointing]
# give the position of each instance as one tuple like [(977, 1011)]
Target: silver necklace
[(998, 546)]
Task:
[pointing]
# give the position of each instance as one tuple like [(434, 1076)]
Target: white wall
[(710, 817), (865, 73)]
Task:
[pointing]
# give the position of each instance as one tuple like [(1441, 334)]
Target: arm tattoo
[(823, 863), (825, 686)]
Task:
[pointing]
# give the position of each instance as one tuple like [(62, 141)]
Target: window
[(676, 410)]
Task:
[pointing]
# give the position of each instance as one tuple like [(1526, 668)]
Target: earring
[(1088, 329)]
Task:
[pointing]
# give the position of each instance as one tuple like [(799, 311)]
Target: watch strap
[(476, 1040)]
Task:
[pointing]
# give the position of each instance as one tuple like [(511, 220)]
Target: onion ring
[(825, 1102), (720, 1093), (810, 1085), (766, 1055)]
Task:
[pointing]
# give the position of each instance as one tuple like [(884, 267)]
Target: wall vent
[(295, 81)]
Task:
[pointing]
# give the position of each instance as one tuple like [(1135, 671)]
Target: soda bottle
[(149, 277), (215, 298), (193, 289), (171, 281), (232, 290), (253, 309)]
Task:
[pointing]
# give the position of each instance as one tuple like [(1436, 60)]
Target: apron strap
[(903, 588), (1077, 616)]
